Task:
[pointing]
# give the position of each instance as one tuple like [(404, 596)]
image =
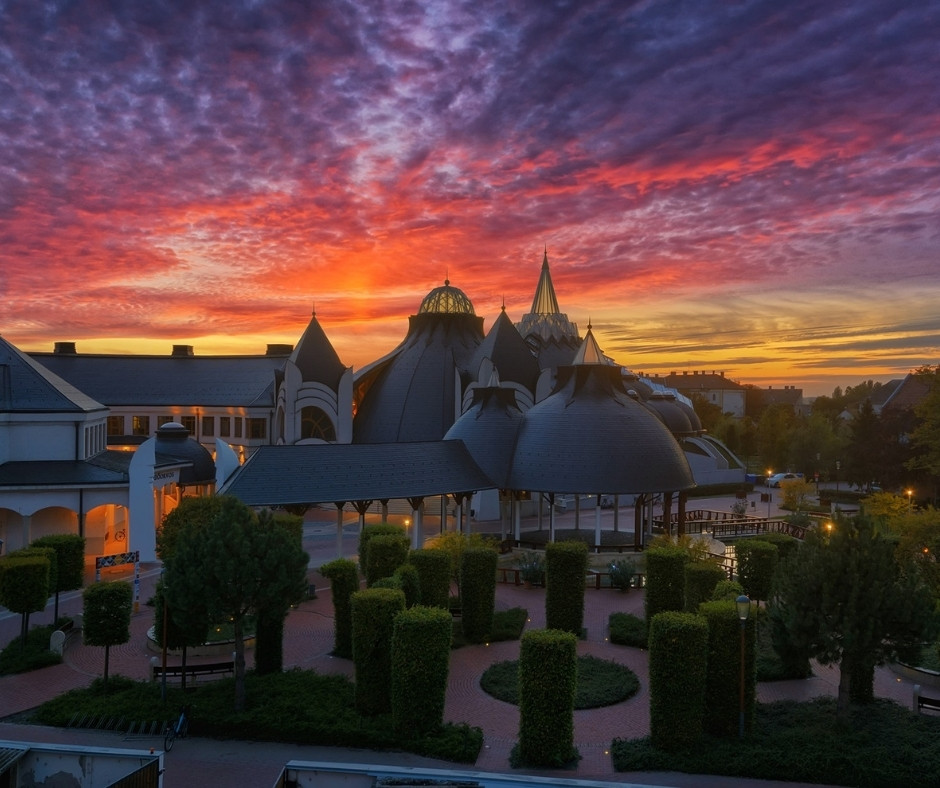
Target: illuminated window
[(115, 425), (141, 425), (161, 420), (315, 423)]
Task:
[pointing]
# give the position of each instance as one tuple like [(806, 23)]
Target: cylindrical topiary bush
[(435, 571), (373, 619), (665, 580), (478, 581), (421, 641), (376, 529), (343, 575), (548, 677), (385, 554), (784, 543), (701, 577), (409, 582), (723, 680), (566, 564), (756, 561), (678, 650)]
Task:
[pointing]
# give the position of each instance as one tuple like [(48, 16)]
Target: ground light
[(744, 610)]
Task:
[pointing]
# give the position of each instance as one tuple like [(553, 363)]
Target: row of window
[(228, 426), (95, 439)]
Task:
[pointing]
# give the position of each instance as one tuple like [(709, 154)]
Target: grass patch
[(297, 706), (881, 745), (16, 659), (600, 682), (507, 625)]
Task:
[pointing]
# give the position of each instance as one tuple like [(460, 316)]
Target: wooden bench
[(192, 672), (923, 702)]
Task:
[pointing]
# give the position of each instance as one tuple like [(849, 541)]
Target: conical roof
[(316, 358), (545, 301), (505, 348), (546, 330)]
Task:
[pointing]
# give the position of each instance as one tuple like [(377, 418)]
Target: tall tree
[(865, 449), (24, 585), (106, 617), (926, 435), (845, 599), (239, 563), (70, 562)]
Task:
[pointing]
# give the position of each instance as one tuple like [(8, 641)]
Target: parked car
[(774, 481)]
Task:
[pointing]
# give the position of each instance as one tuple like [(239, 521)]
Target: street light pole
[(744, 610), (910, 493)]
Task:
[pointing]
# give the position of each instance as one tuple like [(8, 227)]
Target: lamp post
[(838, 467), (744, 610), (910, 493)]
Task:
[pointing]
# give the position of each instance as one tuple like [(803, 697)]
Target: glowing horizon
[(749, 189)]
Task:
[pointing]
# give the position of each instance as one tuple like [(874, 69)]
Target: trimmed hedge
[(756, 562), (627, 629), (566, 564), (410, 583), (784, 543), (665, 579), (70, 553), (478, 573), (373, 620), (701, 577), (386, 552), (435, 570), (376, 529), (727, 589), (548, 675), (723, 681), (678, 650), (344, 582), (420, 662), (24, 586)]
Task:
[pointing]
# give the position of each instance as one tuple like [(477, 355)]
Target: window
[(225, 426), (314, 423), (189, 422), (141, 425), (238, 427), (208, 426), (115, 425), (257, 429), (161, 420)]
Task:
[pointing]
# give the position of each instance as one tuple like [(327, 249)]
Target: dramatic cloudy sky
[(747, 186)]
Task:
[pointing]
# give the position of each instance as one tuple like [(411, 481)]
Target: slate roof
[(331, 472), (316, 358), (186, 381), (62, 473), (504, 346), (28, 386)]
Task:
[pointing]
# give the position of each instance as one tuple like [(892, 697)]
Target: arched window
[(315, 423)]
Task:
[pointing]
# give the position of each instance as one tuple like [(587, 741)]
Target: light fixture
[(744, 610)]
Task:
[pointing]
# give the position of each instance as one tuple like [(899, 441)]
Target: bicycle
[(177, 730)]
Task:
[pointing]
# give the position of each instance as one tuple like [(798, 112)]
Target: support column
[(27, 527), (384, 502), (417, 522), (639, 505), (683, 498), (597, 523), (667, 513), (516, 516), (362, 507), (541, 508), (551, 517), (616, 513), (577, 512), (339, 527)]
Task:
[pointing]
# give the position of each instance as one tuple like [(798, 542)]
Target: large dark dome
[(173, 443)]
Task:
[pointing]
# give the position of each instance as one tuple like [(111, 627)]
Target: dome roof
[(446, 300), (173, 445), (676, 418)]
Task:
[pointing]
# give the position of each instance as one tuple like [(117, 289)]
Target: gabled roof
[(211, 381), (333, 472), (27, 386)]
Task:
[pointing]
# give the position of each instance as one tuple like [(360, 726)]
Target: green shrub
[(344, 582), (701, 577), (665, 579), (627, 629), (548, 668), (375, 529), (373, 619), (478, 573), (727, 589), (15, 658), (566, 564), (434, 575), (723, 680), (420, 662), (24, 586), (269, 641), (678, 650), (531, 566), (756, 562), (386, 552), (784, 543), (621, 574)]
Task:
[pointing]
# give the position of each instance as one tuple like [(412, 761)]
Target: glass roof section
[(446, 300)]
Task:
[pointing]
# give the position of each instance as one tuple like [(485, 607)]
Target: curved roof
[(675, 417), (505, 348), (446, 300), (173, 444)]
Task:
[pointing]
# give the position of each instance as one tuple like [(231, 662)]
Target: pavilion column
[(384, 502), (597, 522), (551, 517), (459, 511), (443, 512), (639, 506), (616, 513), (417, 522), (516, 516), (667, 513), (683, 498), (541, 508), (27, 527), (577, 512), (339, 527), (362, 507)]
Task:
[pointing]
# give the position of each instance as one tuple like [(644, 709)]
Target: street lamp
[(744, 610), (838, 466), (910, 493)]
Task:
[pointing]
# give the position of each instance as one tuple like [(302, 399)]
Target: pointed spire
[(590, 352), (545, 301)]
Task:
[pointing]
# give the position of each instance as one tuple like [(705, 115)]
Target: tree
[(926, 435), (24, 585), (845, 599), (795, 492), (864, 450), (239, 563), (106, 617), (191, 513), (70, 562)]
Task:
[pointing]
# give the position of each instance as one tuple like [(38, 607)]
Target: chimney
[(279, 350), (65, 349), (182, 350)]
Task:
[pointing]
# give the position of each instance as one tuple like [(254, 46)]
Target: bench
[(922, 702), (192, 672)]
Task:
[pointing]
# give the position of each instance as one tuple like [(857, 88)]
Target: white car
[(774, 481)]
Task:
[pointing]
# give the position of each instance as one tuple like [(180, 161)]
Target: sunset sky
[(752, 187)]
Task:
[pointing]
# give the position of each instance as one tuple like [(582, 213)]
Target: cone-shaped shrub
[(373, 619), (421, 641), (344, 582), (678, 649), (566, 564), (478, 581), (434, 572), (548, 677)]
